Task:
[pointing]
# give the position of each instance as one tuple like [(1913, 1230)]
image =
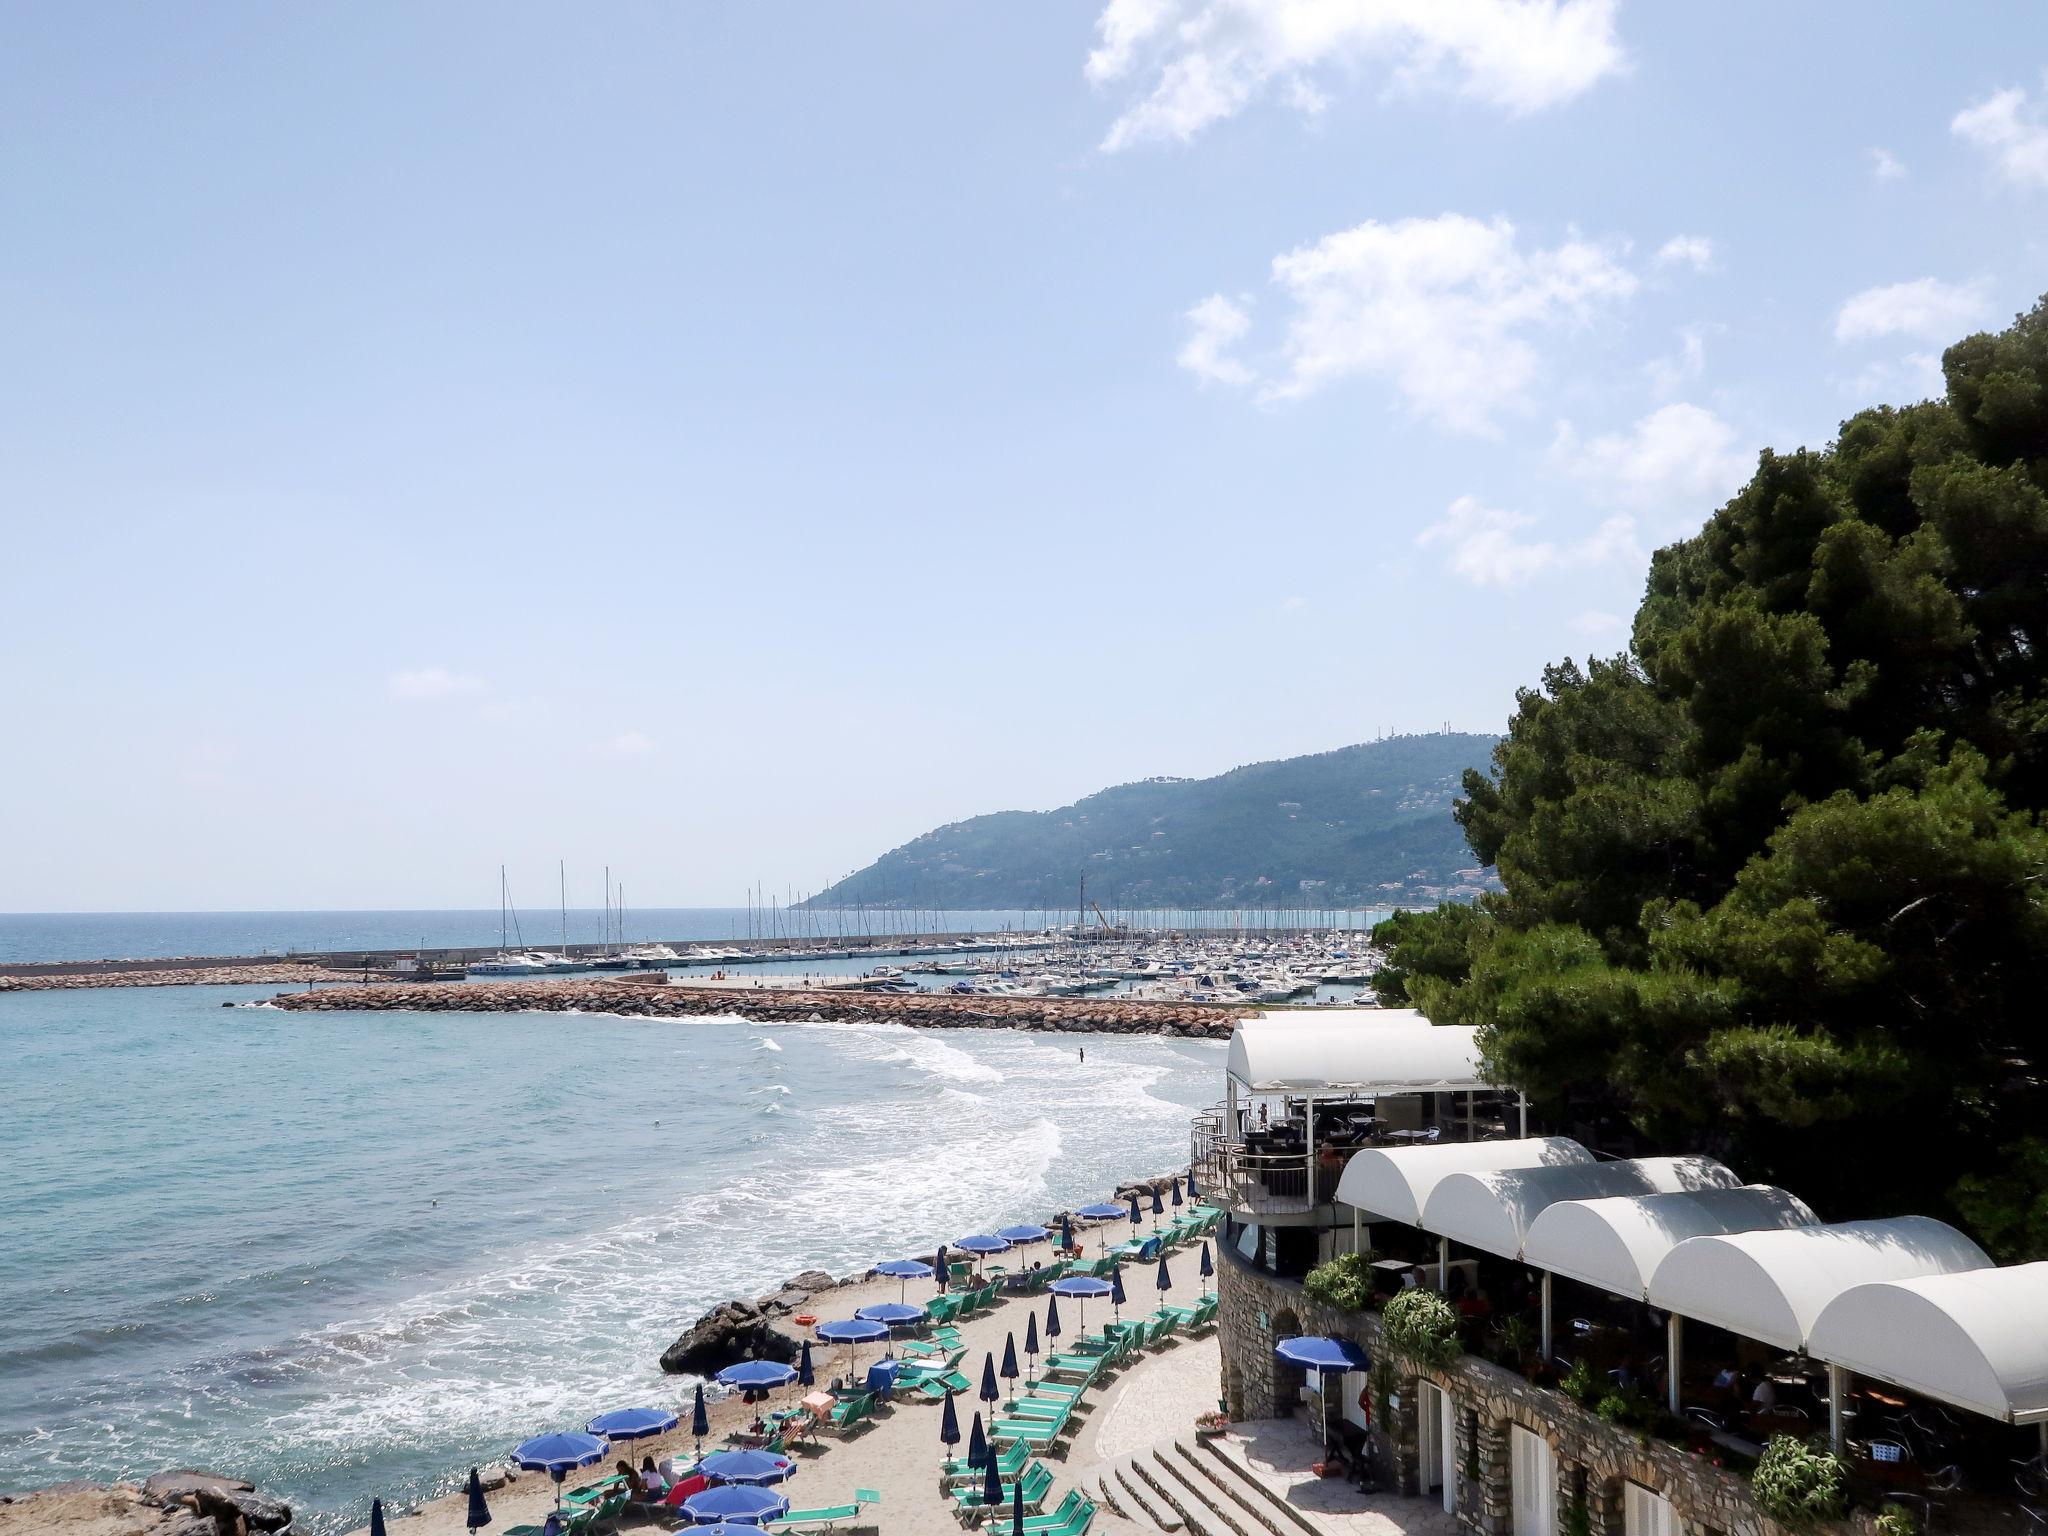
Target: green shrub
[(1578, 1384), (1513, 1340), (1799, 1483), (1615, 1409), (1578, 1519), (1344, 1283), (1422, 1326), (1897, 1520)]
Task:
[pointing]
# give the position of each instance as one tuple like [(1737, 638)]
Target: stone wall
[(1595, 1460)]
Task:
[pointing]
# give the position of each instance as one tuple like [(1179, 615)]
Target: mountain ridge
[(1366, 824)]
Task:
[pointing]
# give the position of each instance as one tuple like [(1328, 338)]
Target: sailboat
[(611, 960), (507, 961)]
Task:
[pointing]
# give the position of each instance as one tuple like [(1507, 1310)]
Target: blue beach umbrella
[(737, 1503), (632, 1423), (1080, 1287), (377, 1517), (949, 1427), (990, 1393), (716, 1528), (700, 1421), (1031, 1343), (1135, 1218), (905, 1271), (1066, 1231), (479, 1514), (1208, 1268), (558, 1455), (1052, 1317), (1116, 1289), (852, 1332), (757, 1375), (1017, 1508), (992, 1483), (977, 1442), (805, 1376), (1163, 1280), (1192, 1193), (1023, 1232), (1174, 1186), (891, 1314), (1010, 1371), (754, 1468), (1158, 1205), (982, 1244), (1316, 1354), (1106, 1212)]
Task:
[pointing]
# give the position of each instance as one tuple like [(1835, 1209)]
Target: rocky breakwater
[(170, 1504), (656, 999), (281, 975)]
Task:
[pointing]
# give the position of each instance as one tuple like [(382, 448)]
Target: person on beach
[(652, 1479)]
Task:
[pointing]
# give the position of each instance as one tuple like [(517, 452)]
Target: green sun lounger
[(1039, 1408), (852, 1411), (1009, 1462), (1036, 1483), (1070, 1519), (825, 1519), (936, 1386)]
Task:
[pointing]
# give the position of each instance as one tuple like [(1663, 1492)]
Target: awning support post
[(1522, 1108), (1546, 1316), (1443, 1265), (1838, 1388), (1674, 1358), (1354, 1231)]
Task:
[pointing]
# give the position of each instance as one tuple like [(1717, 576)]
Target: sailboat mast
[(562, 877), (501, 907)]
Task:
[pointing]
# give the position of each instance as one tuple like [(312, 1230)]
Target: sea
[(350, 1255)]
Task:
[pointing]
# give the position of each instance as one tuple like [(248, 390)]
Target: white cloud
[(1218, 325), (1669, 375), (1486, 547), (627, 744), (2014, 137), (1885, 165), (1592, 622), (1695, 251), (1442, 308), (424, 685), (1680, 457), (1907, 380), (1293, 604), (1206, 60), (1926, 307)]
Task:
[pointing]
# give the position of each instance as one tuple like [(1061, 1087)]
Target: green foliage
[(1355, 819), (1779, 869), (1897, 1520), (1432, 945), (1578, 1518), (1513, 1340), (1800, 1483), (1420, 1325), (1615, 1409), (1345, 1282), (1580, 1384)]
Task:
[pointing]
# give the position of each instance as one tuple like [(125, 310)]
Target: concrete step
[(1249, 1513), (1160, 1486), (1279, 1517), (1144, 1505), (1214, 1503)]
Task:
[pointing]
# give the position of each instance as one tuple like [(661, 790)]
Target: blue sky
[(725, 442)]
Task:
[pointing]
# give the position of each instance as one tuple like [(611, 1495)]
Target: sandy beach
[(898, 1457)]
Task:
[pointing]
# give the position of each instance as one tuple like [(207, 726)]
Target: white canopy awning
[(1394, 1184), (1314, 1052), (1492, 1211), (1773, 1286), (1616, 1242), (1974, 1339)]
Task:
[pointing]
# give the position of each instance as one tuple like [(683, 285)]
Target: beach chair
[(1070, 1519), (936, 1386), (1038, 1434), (1084, 1368), (849, 1413), (825, 1519), (1035, 1482), (1045, 1408), (943, 1309), (1009, 1462), (1070, 1390)]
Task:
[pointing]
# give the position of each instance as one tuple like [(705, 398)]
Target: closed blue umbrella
[(1010, 1371), (1208, 1268), (700, 1421), (479, 1514), (377, 1517), (977, 1443), (992, 1483), (754, 1468), (1163, 1280), (1193, 1194), (632, 1423), (737, 1503), (1031, 1343), (1158, 1205), (558, 1455), (1174, 1186), (1116, 1289), (1052, 1318), (805, 1376), (1066, 1231), (1134, 1207), (990, 1393), (1017, 1508), (949, 1427)]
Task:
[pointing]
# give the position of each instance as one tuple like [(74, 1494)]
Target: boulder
[(258, 1513), (726, 1335), (167, 1487), (809, 1280)]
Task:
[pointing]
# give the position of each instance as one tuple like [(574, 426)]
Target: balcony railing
[(1257, 1179)]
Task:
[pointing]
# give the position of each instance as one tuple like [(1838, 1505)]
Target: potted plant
[(1211, 1424)]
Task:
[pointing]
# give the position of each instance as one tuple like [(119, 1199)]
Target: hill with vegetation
[(1776, 878), (1361, 826)]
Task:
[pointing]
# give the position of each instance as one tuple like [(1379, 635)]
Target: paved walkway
[(1279, 1453), (1153, 1401)]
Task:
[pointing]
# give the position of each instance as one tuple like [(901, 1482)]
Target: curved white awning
[(1773, 1286), (1616, 1242), (1313, 1053), (1492, 1211), (1394, 1183), (1973, 1339)]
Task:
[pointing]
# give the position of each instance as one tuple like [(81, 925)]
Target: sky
[(726, 441)]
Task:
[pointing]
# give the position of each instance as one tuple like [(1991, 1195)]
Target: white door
[(1429, 1438), (1354, 1386), (1532, 1479), (1644, 1513), (1448, 1437)]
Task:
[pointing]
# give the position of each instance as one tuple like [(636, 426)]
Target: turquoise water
[(351, 1254)]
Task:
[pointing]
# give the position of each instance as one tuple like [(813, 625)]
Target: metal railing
[(1255, 1181)]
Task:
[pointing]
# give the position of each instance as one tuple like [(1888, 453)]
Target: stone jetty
[(654, 998), (171, 974), (169, 1504)]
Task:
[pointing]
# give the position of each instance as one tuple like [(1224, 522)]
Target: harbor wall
[(652, 997)]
